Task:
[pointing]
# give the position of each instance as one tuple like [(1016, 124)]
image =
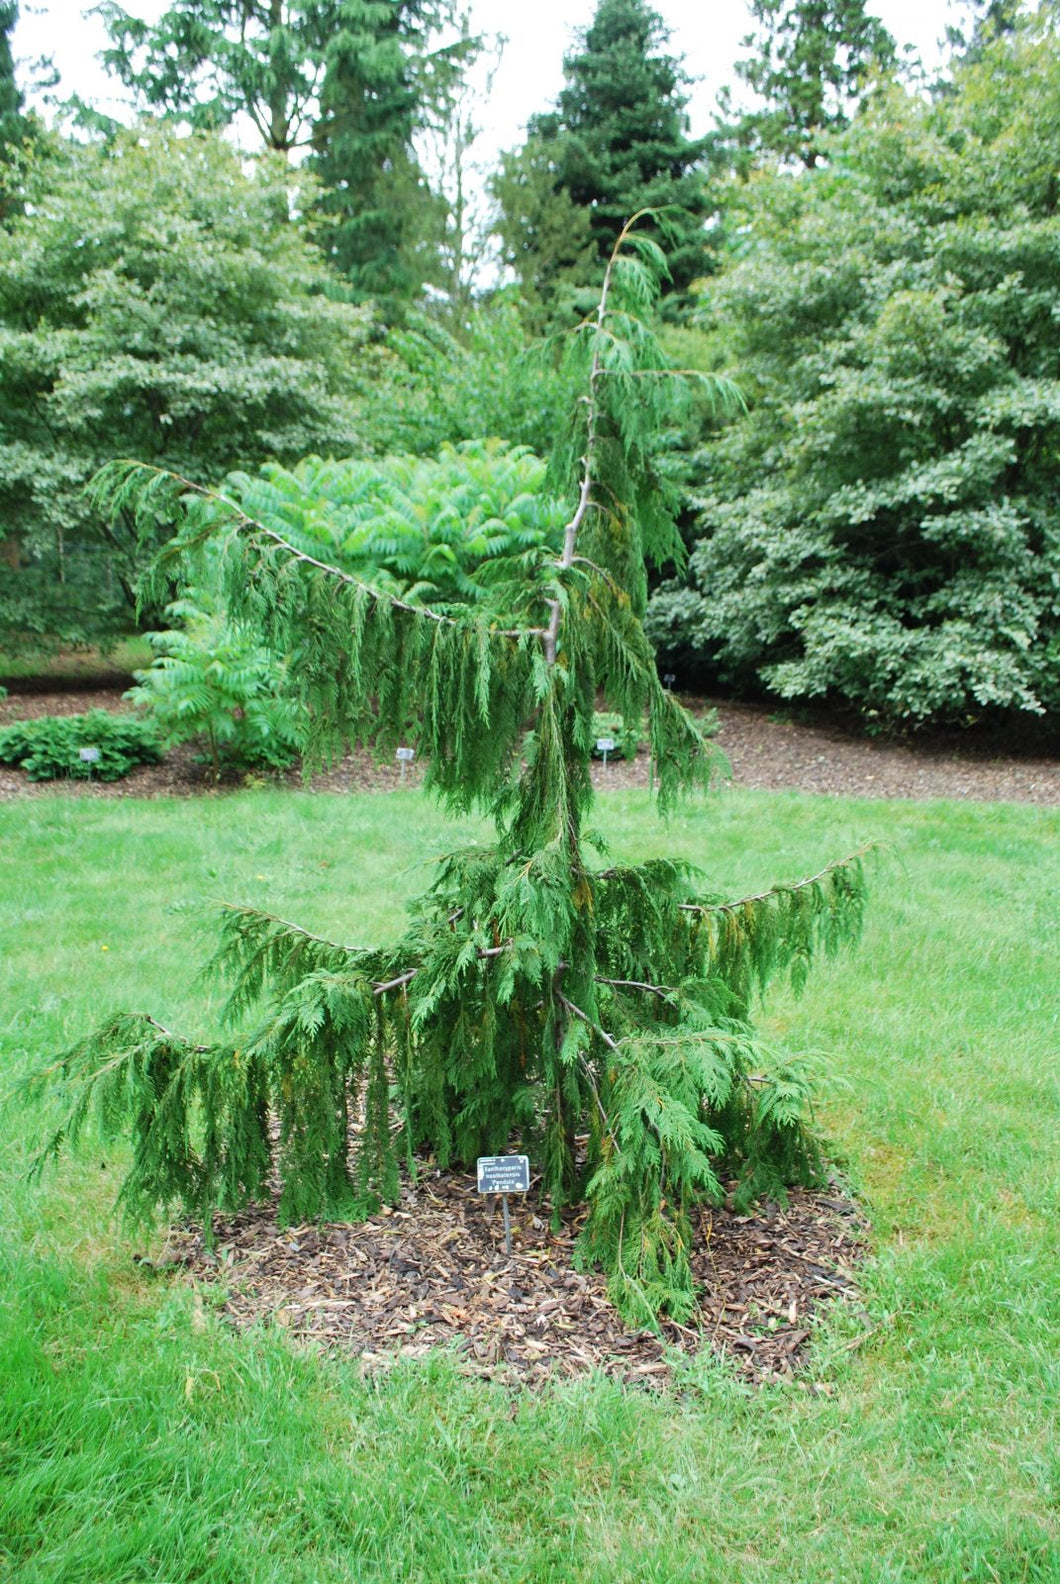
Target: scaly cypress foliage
[(599, 1015)]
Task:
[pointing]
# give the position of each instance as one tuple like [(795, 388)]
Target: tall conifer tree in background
[(10, 96), (210, 61), (12, 121), (616, 143), (347, 79), (596, 1013), (809, 63), (379, 74)]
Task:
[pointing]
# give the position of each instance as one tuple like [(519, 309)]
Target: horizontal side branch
[(243, 522), (242, 910), (780, 890), (405, 978)]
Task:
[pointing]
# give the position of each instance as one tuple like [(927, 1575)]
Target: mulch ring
[(433, 1272)]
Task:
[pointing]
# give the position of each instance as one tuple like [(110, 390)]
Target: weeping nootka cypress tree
[(596, 1013)]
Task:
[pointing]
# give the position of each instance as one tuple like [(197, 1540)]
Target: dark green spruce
[(543, 997), (616, 142)]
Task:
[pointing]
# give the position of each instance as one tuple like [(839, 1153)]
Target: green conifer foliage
[(10, 94), (350, 80), (616, 142), (596, 1014), (379, 71), (13, 123), (809, 64)]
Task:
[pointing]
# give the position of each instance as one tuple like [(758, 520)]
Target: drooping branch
[(395, 983), (259, 915), (254, 530), (776, 892)]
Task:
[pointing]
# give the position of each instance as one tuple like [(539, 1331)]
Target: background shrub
[(48, 749), (213, 680)]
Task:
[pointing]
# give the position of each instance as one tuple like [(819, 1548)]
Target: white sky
[(539, 33)]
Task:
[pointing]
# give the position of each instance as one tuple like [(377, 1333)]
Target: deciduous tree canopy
[(154, 301), (882, 527)]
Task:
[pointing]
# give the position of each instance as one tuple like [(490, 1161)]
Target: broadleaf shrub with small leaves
[(880, 529)]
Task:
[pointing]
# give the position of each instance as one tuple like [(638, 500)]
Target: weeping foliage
[(596, 1016)]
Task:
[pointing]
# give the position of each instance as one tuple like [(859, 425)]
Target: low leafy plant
[(214, 680), (50, 748), (629, 739)]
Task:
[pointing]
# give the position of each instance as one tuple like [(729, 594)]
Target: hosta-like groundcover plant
[(595, 1013)]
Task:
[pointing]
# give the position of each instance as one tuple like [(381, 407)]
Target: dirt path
[(763, 752)]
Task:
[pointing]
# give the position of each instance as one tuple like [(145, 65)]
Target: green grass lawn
[(79, 666), (142, 1440)]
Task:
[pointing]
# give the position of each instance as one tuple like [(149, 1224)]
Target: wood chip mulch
[(818, 754), (433, 1272)]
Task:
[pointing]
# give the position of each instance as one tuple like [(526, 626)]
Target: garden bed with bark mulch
[(432, 1272), (818, 755)]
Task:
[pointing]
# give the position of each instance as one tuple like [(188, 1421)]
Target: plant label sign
[(503, 1174), (405, 755), (605, 745), (88, 755)]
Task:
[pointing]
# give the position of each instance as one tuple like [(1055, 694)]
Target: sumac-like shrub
[(214, 681)]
